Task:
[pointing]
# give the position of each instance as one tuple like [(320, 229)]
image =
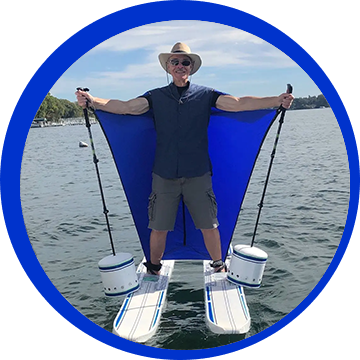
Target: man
[(182, 166)]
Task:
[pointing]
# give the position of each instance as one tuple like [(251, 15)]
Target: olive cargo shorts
[(197, 194)]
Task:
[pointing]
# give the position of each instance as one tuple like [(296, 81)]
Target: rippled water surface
[(301, 224)]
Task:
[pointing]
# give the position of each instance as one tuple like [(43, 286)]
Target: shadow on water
[(183, 325), (193, 340)]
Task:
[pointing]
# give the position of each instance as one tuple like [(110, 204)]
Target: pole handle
[(83, 89), (85, 111), (289, 90)]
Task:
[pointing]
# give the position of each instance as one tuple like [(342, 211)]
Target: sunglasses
[(175, 62)]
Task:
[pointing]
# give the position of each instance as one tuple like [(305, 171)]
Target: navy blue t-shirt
[(181, 90), (181, 117)]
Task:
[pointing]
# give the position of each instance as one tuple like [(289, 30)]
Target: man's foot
[(152, 269), (218, 266)]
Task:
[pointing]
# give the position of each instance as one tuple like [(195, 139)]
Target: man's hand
[(286, 100), (84, 99)]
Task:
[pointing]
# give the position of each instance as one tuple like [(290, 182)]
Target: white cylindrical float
[(247, 266), (118, 274)]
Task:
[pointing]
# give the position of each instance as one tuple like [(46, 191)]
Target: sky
[(234, 62)]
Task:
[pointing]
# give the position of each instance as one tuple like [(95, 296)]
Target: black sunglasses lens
[(175, 62)]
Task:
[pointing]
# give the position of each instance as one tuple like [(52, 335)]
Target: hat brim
[(196, 59)]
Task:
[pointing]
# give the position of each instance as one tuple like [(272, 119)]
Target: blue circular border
[(40, 322)]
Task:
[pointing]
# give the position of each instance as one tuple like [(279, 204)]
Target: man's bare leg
[(212, 243), (157, 246)]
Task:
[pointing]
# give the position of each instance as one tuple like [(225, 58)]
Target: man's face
[(179, 66)]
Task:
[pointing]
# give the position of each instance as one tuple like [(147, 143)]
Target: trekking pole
[(96, 160), (281, 110)]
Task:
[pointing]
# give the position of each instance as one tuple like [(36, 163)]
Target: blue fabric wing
[(235, 140)]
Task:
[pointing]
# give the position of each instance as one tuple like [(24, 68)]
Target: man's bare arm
[(234, 104), (135, 106)]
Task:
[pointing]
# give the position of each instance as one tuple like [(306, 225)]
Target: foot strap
[(152, 267), (218, 265)]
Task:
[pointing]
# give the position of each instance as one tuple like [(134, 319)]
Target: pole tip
[(82, 89)]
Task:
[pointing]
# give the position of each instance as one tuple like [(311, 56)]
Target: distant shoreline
[(58, 110)]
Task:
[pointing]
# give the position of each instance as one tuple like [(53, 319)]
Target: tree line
[(54, 109), (310, 102)]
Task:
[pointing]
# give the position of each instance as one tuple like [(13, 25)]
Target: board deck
[(226, 308), (139, 315)]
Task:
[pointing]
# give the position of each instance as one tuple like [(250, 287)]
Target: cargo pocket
[(213, 203), (151, 206)]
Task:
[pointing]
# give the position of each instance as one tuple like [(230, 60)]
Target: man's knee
[(159, 231), (159, 234)]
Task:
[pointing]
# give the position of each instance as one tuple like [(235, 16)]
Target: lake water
[(301, 224)]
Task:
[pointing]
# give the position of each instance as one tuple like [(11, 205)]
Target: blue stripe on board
[(243, 303), (126, 304), (210, 310), (158, 309)]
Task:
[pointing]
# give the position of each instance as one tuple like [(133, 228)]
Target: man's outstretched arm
[(135, 106), (234, 104)]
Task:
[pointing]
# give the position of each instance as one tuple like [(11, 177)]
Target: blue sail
[(235, 140)]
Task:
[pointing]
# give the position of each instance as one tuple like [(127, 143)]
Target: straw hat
[(181, 48)]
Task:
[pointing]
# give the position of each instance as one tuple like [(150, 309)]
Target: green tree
[(321, 101), (53, 109), (310, 102), (72, 110)]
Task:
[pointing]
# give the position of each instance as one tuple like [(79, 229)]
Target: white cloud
[(222, 49), (218, 45), (160, 37)]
